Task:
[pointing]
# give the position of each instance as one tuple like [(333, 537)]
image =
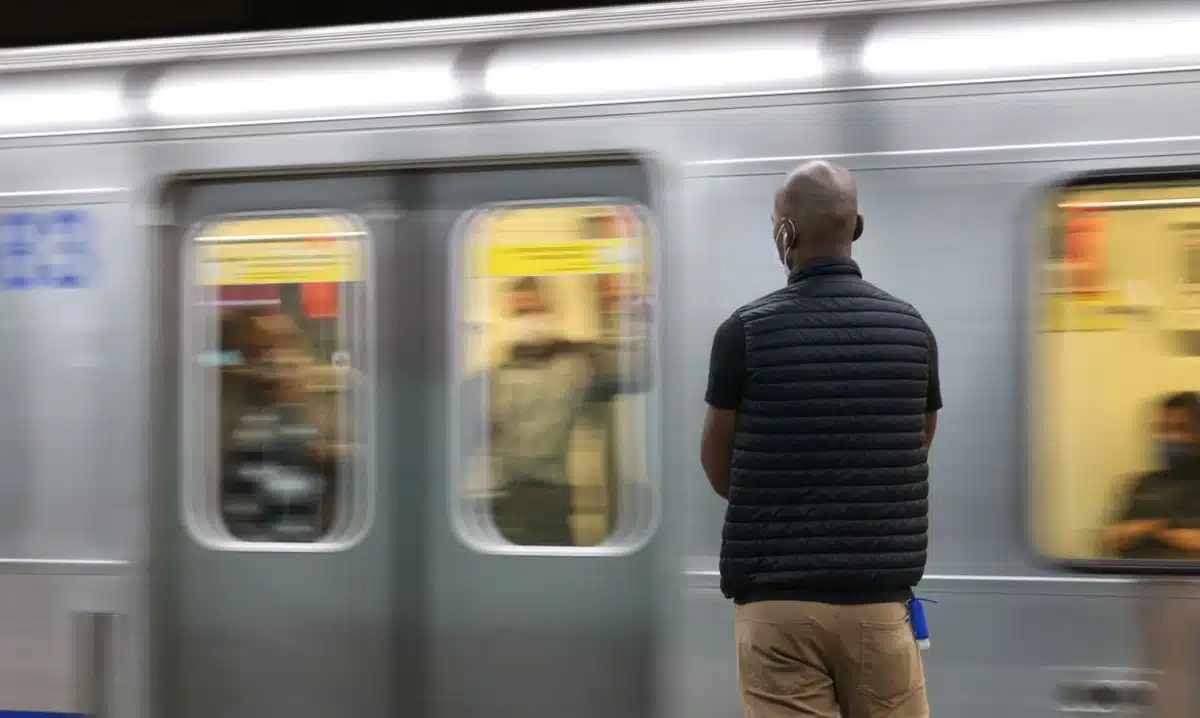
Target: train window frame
[(1034, 286), (199, 495), (482, 536)]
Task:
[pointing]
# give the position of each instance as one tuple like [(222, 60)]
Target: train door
[(535, 617), (362, 507), (278, 544)]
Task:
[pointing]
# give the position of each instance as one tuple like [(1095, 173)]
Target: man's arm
[(1184, 539), (476, 428), (726, 379), (1182, 526), (933, 396), (1140, 517), (622, 356), (716, 448), (1120, 535)]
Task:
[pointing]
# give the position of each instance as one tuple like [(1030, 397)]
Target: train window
[(556, 377), (276, 328), (1116, 381)]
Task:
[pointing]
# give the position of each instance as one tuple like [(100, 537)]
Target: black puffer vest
[(829, 479)]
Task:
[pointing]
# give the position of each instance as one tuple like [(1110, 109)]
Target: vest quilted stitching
[(829, 481)]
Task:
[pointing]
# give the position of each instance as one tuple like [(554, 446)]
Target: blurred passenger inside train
[(278, 435), (1160, 518), (613, 290), (539, 392)]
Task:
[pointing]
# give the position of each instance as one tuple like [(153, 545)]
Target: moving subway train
[(360, 371)]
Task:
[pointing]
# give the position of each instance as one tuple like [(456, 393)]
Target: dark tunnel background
[(50, 22)]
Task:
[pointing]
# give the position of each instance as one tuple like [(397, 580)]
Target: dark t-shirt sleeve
[(933, 396), (727, 366)]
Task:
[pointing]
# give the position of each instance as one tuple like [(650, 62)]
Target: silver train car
[(128, 587)]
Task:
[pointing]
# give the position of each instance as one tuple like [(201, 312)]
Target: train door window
[(556, 372), (1115, 430), (276, 328)]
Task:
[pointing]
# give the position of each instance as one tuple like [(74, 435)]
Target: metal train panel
[(70, 641), (74, 479), (949, 164)]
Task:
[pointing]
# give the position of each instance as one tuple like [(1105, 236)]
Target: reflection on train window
[(556, 373), (1116, 423), (1192, 265), (277, 328)]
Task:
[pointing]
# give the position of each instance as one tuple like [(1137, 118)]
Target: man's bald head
[(816, 212)]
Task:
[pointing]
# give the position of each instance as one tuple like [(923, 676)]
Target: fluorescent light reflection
[(667, 68), (1050, 45), (63, 103), (303, 88)]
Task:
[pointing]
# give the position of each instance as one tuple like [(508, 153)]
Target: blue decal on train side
[(38, 714), (47, 249)]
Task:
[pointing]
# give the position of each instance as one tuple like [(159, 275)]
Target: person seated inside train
[(1160, 518), (538, 393), (277, 477)]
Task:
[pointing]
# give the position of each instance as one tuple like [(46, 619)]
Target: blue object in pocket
[(916, 617)]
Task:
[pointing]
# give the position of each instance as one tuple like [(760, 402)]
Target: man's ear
[(858, 227)]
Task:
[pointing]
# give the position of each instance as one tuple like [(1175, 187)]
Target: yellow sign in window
[(566, 240), (295, 250), (587, 256), (1084, 312)]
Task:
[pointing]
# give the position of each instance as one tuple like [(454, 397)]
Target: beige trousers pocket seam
[(891, 663)]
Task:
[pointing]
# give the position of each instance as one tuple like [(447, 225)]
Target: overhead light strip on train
[(906, 47), (445, 31), (86, 102), (297, 88), (703, 62)]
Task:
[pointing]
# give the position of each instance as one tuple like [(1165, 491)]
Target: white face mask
[(785, 237), (533, 328)]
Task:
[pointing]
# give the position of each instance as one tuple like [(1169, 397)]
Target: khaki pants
[(819, 661)]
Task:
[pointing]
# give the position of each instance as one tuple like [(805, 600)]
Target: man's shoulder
[(732, 328), (790, 295), (900, 305), (767, 300)]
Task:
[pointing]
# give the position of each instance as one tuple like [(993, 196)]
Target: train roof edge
[(513, 26)]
